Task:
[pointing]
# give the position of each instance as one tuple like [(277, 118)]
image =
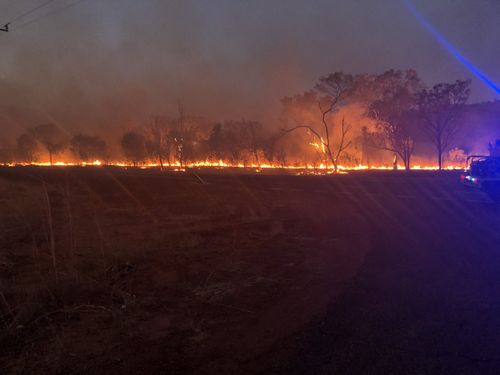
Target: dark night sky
[(115, 61)]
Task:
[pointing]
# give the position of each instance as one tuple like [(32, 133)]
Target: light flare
[(450, 47)]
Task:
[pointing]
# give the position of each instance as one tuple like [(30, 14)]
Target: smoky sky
[(112, 63)]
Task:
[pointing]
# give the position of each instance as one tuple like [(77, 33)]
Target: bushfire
[(221, 164)]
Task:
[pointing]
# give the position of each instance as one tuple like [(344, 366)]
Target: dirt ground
[(163, 272), (115, 271)]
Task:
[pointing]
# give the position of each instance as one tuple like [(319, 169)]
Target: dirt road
[(426, 299)]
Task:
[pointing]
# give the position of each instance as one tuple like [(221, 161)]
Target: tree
[(365, 146), (281, 156), (271, 147), (134, 147), (88, 148), (185, 136), (227, 141), (52, 137), (394, 112), (215, 142), (27, 148), (440, 107), (343, 143), (255, 138), (159, 140), (330, 92)]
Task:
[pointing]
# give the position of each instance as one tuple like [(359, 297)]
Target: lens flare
[(450, 48)]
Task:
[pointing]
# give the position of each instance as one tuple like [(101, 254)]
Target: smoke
[(104, 66)]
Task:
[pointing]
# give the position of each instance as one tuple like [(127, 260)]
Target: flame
[(319, 146), (221, 164)]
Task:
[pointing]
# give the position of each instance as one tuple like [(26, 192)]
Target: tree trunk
[(330, 156), (256, 156), (407, 161), (161, 161), (50, 157), (440, 158)]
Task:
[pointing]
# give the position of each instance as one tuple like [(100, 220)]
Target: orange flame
[(221, 164)]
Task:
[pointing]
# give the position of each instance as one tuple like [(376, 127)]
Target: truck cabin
[(484, 166)]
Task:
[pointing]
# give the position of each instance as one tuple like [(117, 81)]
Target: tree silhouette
[(394, 112), (88, 148), (27, 148), (159, 141), (440, 108), (134, 147), (331, 92), (51, 137)]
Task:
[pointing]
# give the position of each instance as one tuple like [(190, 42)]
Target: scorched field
[(109, 270)]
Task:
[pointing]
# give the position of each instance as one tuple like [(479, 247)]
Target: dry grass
[(120, 274)]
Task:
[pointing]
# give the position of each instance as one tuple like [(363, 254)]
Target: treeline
[(398, 111), (164, 142)]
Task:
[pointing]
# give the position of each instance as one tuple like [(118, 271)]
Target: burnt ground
[(135, 271)]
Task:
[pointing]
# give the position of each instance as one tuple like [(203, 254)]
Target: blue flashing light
[(450, 48)]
